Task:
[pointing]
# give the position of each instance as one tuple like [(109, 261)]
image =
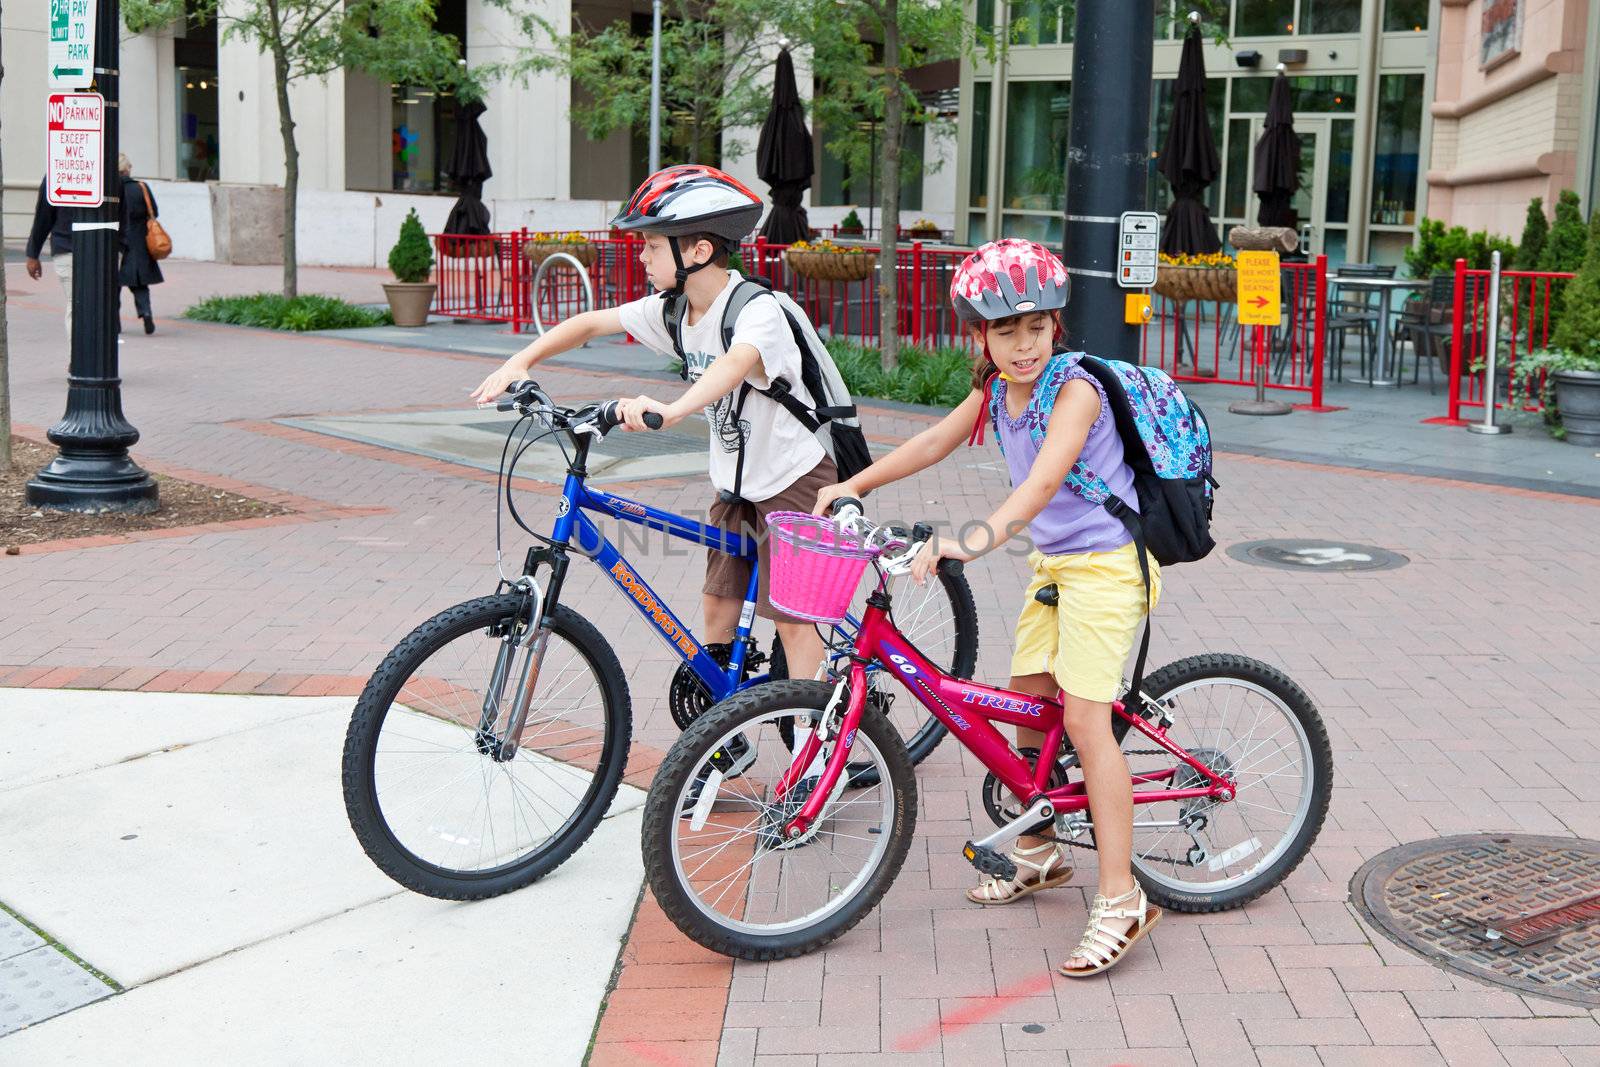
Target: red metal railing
[(1525, 327), (1201, 341)]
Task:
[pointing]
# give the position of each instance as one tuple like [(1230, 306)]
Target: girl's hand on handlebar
[(829, 493), (497, 383), (633, 412), (932, 552)]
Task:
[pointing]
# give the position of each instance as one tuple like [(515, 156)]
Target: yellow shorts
[(1086, 639)]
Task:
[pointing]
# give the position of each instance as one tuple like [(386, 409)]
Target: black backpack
[(834, 408)]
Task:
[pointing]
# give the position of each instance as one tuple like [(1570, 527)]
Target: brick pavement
[(1458, 692)]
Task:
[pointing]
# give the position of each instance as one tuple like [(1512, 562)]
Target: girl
[(1009, 294)]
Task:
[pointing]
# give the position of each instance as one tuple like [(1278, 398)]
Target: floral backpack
[(1166, 442)]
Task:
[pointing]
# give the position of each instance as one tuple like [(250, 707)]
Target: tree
[(1535, 232), (392, 39), (5, 349), (1579, 329), (704, 46), (1563, 251)]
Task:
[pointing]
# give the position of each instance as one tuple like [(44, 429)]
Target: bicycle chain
[(1157, 859)]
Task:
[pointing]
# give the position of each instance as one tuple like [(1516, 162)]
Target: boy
[(762, 459)]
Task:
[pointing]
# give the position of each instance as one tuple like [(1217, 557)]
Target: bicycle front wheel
[(440, 797), (1250, 722)]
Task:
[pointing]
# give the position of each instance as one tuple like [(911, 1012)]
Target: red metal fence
[(1525, 327), (1201, 341)]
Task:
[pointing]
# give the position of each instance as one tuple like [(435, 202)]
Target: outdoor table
[(1385, 288)]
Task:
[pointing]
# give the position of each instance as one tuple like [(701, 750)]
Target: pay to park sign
[(71, 55), (74, 131)]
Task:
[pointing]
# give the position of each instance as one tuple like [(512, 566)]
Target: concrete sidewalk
[(195, 849)]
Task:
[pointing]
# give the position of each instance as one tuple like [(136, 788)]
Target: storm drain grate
[(1518, 910)]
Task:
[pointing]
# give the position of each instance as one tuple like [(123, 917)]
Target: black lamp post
[(1108, 160), (93, 471)]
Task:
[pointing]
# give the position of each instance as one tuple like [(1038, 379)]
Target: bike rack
[(538, 276)]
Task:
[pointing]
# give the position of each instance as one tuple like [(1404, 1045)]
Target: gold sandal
[(995, 890), (1103, 947)]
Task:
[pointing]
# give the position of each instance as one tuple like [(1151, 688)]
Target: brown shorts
[(729, 576)]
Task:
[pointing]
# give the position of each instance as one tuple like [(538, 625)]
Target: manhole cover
[(1298, 555), (1516, 910)]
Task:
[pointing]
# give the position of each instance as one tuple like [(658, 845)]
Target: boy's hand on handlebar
[(497, 383), (935, 550), (829, 493), (633, 412)]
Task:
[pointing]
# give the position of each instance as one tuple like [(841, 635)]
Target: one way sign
[(74, 131)]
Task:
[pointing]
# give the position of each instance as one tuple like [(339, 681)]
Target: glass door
[(1311, 199)]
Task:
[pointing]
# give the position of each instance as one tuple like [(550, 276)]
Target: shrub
[(851, 221), (270, 311), (941, 377), (1437, 249), (1563, 251), (1578, 333), (411, 258), (1535, 232)]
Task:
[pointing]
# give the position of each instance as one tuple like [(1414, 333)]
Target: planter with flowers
[(824, 261), (1198, 277), (539, 247)]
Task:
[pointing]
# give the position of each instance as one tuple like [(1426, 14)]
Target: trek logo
[(999, 703), (658, 614)]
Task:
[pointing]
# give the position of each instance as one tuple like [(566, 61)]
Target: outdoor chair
[(1429, 323), (1358, 313), (1299, 324)]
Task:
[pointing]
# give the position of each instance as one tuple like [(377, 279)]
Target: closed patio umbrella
[(1189, 157), (1277, 169), (784, 158), (469, 169)]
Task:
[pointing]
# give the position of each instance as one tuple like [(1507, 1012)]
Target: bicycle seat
[(1049, 596)]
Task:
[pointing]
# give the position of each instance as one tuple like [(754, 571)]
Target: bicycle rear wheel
[(438, 799), (1248, 721)]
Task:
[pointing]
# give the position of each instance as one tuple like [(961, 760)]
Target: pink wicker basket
[(816, 566)]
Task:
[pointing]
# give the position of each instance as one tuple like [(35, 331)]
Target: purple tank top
[(1070, 524)]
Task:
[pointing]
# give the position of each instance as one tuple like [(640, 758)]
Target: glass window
[(1035, 173), (978, 152), (194, 57), (840, 183), (983, 15), (1395, 150), (1040, 22), (1320, 94), (977, 229), (1405, 15), (1264, 18), (1236, 197), (1330, 16), (1341, 156), (1046, 229), (422, 131)]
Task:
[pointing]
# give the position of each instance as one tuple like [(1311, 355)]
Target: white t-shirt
[(778, 450)]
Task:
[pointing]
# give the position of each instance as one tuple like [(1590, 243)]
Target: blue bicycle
[(490, 742)]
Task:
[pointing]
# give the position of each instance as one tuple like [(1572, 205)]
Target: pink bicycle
[(784, 813)]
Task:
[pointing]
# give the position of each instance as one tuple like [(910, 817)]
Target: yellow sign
[(1259, 294), (1136, 308)]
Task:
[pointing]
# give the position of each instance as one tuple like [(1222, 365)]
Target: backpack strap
[(1135, 527), (673, 307)]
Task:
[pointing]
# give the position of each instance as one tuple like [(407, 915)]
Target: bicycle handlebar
[(606, 417), (847, 512)]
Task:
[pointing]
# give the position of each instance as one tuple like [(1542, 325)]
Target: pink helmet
[(1006, 278)]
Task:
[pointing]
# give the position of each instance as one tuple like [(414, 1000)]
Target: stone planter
[(832, 266), (1198, 283), (1578, 401), (409, 301)]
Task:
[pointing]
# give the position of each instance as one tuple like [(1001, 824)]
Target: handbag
[(155, 237)]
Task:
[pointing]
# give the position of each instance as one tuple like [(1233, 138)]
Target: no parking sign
[(74, 132)]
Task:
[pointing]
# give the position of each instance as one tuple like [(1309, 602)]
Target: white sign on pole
[(1138, 238), (75, 136), (71, 54)]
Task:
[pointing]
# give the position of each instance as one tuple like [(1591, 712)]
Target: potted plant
[(925, 230), (1198, 277), (824, 261), (851, 226), (1573, 369), (541, 246), (411, 260)]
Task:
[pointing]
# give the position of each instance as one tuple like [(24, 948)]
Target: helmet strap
[(976, 436), (682, 271)]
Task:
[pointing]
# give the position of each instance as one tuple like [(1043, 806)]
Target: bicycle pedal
[(988, 861)]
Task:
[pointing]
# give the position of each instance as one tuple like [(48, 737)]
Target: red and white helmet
[(692, 198), (1006, 278)]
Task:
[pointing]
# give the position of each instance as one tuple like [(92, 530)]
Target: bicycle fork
[(853, 686), (525, 652)]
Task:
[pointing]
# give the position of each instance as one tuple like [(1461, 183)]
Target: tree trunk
[(889, 189), (291, 164), (5, 350)]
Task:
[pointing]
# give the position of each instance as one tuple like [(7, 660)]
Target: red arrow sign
[(1259, 301)]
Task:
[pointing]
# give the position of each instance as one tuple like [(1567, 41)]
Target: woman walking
[(139, 269)]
